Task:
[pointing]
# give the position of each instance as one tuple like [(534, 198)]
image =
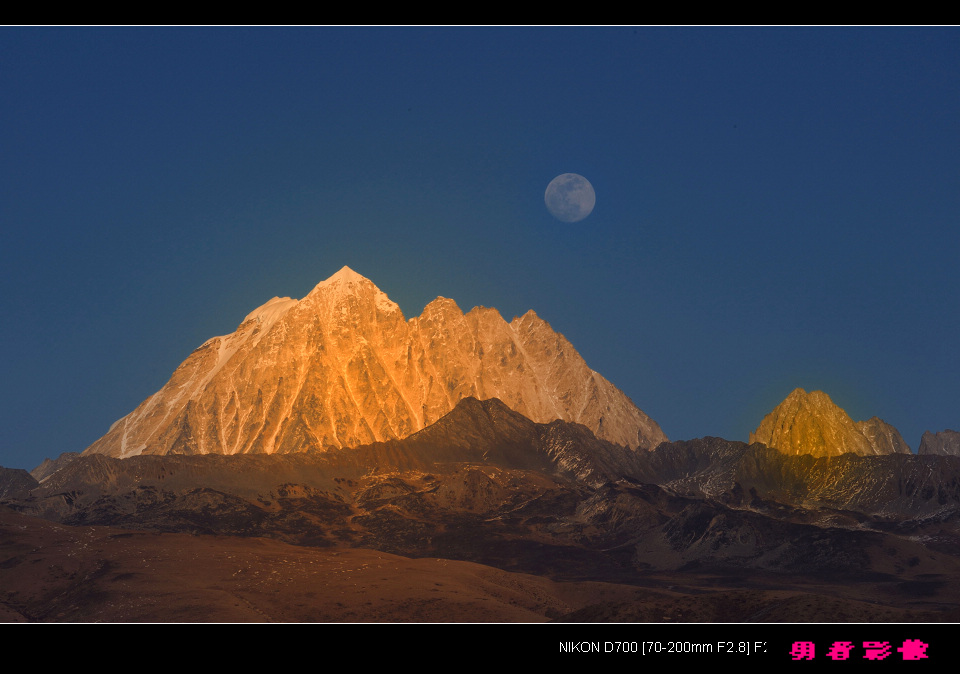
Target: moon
[(570, 197)]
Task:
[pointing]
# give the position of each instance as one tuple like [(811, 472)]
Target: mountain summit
[(343, 367), (811, 423)]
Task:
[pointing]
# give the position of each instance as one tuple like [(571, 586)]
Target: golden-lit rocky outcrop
[(811, 423), (343, 367)]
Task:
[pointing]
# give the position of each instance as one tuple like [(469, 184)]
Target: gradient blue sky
[(776, 207)]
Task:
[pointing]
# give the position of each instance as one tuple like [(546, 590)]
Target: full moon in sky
[(570, 197)]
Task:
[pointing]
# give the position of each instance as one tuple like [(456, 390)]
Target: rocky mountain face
[(944, 443), (475, 433), (896, 486), (811, 423), (15, 483), (50, 466), (884, 438), (342, 367)]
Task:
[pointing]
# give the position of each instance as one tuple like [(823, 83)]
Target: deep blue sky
[(776, 207)]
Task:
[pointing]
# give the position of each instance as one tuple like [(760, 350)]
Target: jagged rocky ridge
[(486, 484), (811, 423), (944, 443), (343, 367)]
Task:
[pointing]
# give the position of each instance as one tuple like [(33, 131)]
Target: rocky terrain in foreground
[(688, 524)]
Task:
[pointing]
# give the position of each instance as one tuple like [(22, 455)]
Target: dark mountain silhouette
[(486, 485)]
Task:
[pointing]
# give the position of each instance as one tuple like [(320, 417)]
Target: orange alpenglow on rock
[(811, 423), (343, 367)]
